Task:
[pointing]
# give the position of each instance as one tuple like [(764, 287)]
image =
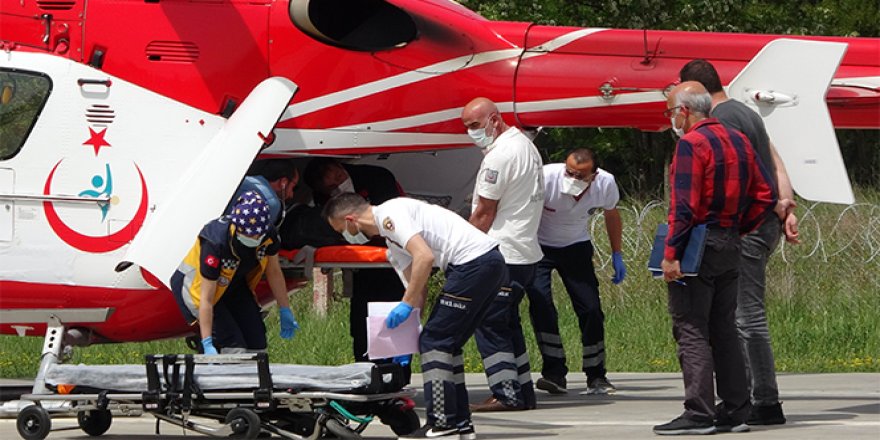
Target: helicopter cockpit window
[(22, 96), (366, 25)]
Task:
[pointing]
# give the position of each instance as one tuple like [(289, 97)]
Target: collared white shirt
[(565, 219), (451, 238), (511, 173)]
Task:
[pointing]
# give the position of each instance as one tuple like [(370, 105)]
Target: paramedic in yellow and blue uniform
[(214, 284)]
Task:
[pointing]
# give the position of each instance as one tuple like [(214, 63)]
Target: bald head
[(483, 113), (477, 111), (691, 95)]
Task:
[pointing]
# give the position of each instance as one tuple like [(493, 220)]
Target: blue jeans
[(751, 314)]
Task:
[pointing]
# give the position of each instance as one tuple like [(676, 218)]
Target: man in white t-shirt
[(421, 236), (507, 201), (574, 191)]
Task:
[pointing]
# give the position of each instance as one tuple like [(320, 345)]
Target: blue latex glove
[(403, 360), (398, 315), (619, 268), (289, 325), (208, 345)]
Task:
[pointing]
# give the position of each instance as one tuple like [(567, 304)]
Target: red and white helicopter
[(128, 124)]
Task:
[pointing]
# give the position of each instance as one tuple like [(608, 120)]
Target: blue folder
[(693, 253)]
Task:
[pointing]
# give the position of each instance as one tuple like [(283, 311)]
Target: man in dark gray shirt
[(757, 246)]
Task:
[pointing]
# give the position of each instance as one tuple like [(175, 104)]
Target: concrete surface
[(818, 406)]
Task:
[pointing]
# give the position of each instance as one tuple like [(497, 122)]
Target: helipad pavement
[(818, 406)]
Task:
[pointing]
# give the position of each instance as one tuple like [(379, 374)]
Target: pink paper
[(383, 342)]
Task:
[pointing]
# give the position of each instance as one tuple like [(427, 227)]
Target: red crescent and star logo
[(101, 243)]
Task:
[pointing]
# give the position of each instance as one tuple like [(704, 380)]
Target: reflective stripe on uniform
[(497, 358)]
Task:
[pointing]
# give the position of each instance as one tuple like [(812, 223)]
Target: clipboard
[(693, 252)]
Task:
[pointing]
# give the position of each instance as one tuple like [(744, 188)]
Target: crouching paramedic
[(421, 236), (214, 284)]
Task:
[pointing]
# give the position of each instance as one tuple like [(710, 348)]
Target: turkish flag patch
[(212, 261)]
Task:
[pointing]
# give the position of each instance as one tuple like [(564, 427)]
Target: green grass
[(823, 300)]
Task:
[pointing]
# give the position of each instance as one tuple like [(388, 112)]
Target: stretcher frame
[(173, 396)]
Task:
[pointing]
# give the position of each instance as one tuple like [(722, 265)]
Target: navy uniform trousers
[(502, 344), (575, 266), (461, 306)]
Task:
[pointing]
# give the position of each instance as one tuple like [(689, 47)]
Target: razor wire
[(826, 231)]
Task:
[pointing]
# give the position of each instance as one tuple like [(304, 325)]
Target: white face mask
[(345, 187), (678, 131), (481, 139), (573, 187), (358, 238), (250, 242)]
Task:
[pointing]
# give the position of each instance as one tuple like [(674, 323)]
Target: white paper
[(383, 342)]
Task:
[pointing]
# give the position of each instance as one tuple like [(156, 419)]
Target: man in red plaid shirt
[(716, 180)]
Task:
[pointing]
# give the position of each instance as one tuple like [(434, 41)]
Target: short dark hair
[(581, 155), (703, 72), (315, 170), (344, 204), (273, 169)]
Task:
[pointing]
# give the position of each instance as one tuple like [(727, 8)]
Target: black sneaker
[(685, 426), (766, 415), (429, 431), (724, 423), (599, 385), (729, 427), (552, 385), (466, 431)]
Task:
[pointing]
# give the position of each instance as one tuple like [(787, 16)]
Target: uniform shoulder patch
[(490, 176), (388, 224)]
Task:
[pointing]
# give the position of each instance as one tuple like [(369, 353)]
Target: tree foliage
[(638, 158)]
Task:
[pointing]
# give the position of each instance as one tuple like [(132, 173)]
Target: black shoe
[(599, 385), (552, 385), (685, 426), (724, 423), (728, 427), (429, 431), (466, 431), (766, 415)]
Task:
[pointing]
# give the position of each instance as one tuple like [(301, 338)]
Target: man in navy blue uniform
[(421, 236)]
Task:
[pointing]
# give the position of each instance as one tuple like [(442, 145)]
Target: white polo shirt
[(451, 238), (565, 219), (511, 173)]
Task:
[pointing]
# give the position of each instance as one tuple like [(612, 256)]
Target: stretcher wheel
[(33, 423), (341, 431), (404, 422), (94, 422), (244, 423)]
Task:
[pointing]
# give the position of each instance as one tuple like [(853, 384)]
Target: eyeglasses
[(670, 112), (579, 176)]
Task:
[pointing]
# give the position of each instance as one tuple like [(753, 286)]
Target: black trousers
[(238, 323), (704, 326), (575, 266)]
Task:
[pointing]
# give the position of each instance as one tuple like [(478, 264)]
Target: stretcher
[(238, 396)]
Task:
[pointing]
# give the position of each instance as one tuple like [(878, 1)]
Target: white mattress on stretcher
[(133, 378)]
